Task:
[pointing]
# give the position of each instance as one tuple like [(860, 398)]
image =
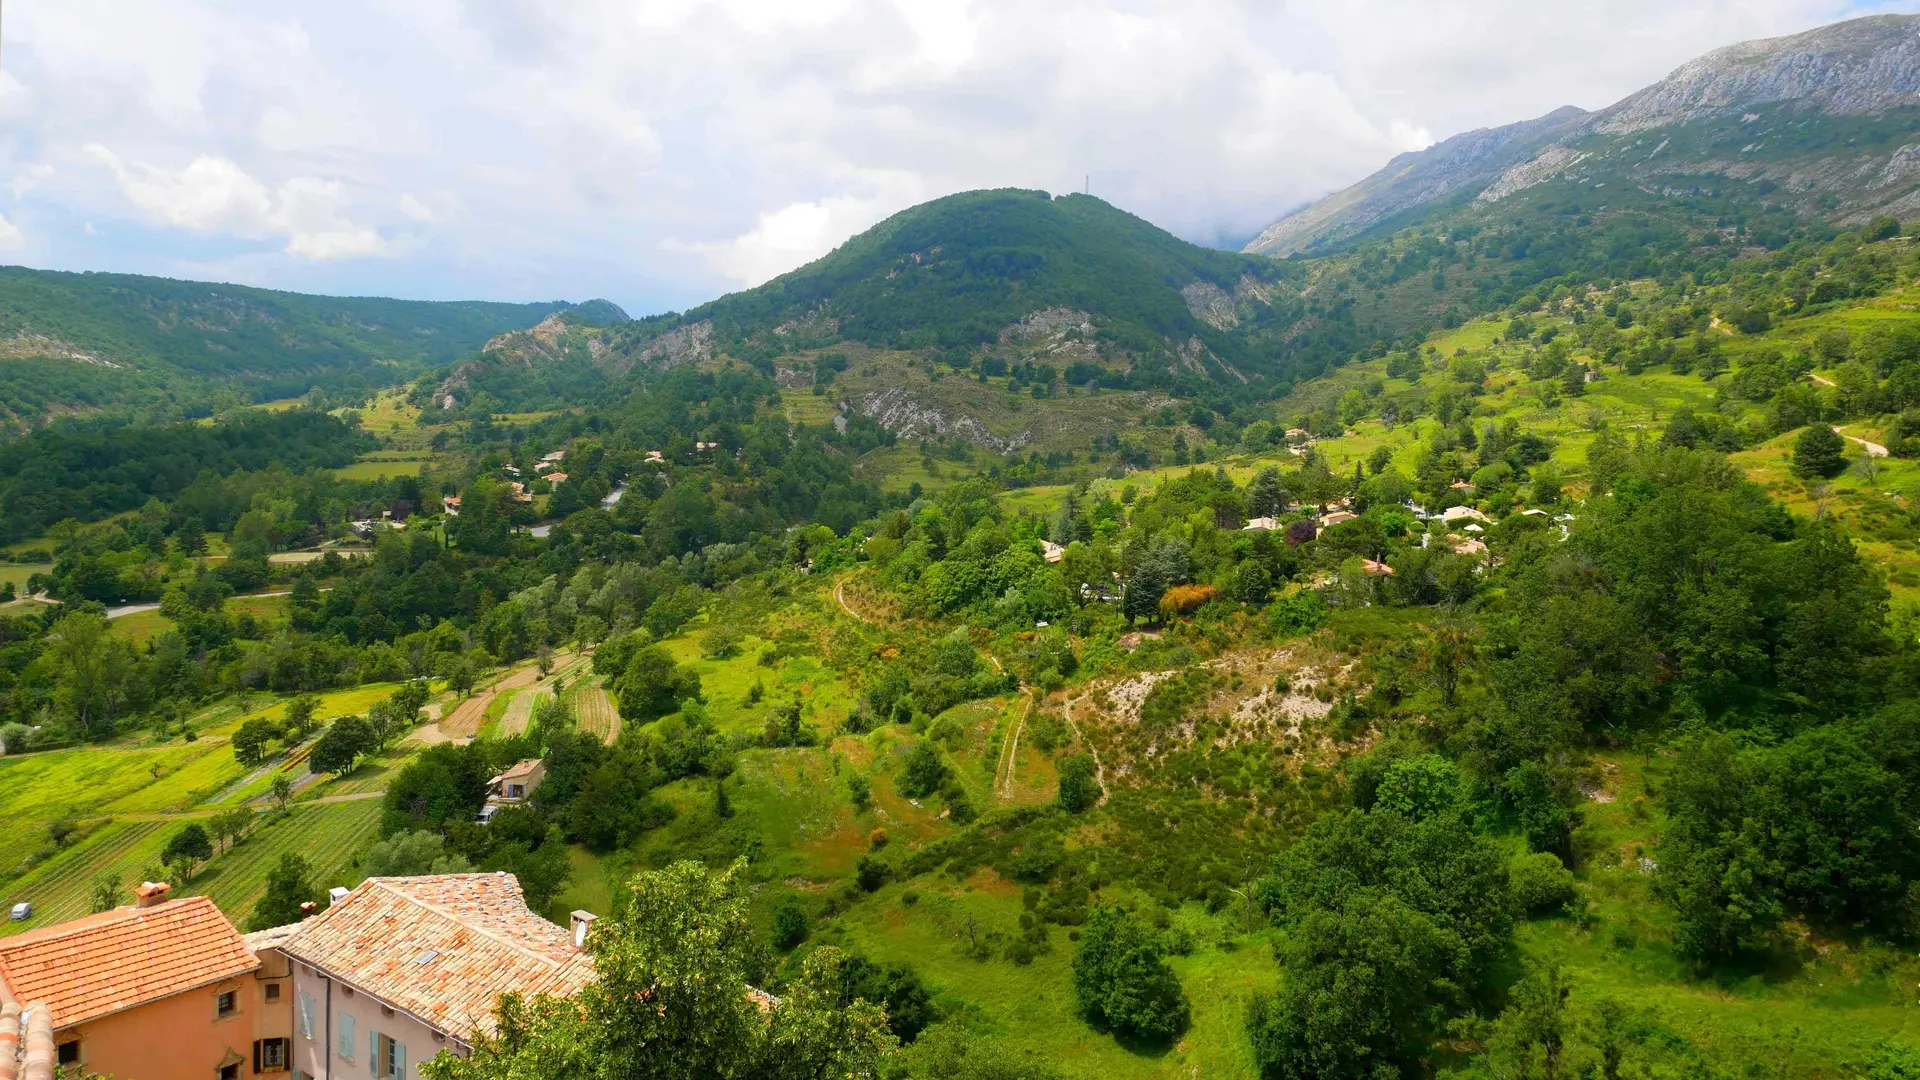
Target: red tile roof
[(442, 947), (102, 964)]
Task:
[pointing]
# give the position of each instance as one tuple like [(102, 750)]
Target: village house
[(1338, 517), (1051, 551), (160, 990), (557, 478), (399, 969), (451, 504), (1462, 513), (518, 783), (1261, 524)]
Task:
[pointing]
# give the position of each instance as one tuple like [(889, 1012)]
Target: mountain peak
[(1864, 67), (1848, 68)]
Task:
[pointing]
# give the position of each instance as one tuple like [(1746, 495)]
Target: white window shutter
[(306, 1015), (373, 1052), (400, 1060)]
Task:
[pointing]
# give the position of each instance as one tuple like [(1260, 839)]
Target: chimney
[(337, 893), (151, 894), (582, 921), (308, 908)]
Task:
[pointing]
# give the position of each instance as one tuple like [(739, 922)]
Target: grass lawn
[(376, 469), (141, 626), (18, 573)]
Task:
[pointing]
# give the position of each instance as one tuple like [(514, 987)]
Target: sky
[(659, 153)]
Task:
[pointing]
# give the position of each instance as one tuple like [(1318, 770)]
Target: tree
[(1530, 1036), (1078, 788), (250, 743), (1121, 980), (282, 789), (1389, 922), (672, 1001), (188, 848), (442, 784), (653, 685), (105, 894), (789, 923), (1267, 495), (299, 722), (1819, 453), (410, 853), (230, 825), (909, 1007), (289, 885), (341, 746), (924, 771)]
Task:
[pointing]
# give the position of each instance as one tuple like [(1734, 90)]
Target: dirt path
[(465, 719), (1819, 378), (1873, 449), (1010, 754), (1099, 770), (520, 710), (840, 597)]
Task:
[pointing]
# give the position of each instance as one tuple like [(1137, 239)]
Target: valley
[(1471, 633)]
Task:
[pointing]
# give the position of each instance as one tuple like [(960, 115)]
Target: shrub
[(1184, 599), (789, 923), (1541, 882), (923, 772), (871, 873)]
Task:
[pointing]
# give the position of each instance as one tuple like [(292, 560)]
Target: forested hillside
[(142, 347)]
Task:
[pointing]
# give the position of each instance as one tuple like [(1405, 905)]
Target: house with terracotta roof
[(161, 990), (402, 968)]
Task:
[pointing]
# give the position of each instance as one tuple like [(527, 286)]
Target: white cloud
[(11, 238), (657, 151), (785, 238), (214, 195)]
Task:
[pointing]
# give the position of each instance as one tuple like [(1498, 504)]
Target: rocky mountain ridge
[(1777, 109)]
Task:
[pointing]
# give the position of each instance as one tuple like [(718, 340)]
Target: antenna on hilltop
[(1088, 179)]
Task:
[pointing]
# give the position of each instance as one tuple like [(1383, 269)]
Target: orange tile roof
[(442, 947), (102, 964)]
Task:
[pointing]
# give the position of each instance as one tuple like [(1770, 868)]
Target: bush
[(789, 923), (924, 772), (1122, 982), (871, 873), (1541, 882), (1078, 789)]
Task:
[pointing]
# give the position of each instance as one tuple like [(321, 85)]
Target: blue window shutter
[(400, 1060), (373, 1052)]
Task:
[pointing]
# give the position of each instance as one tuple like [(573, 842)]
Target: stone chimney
[(151, 894), (582, 921)]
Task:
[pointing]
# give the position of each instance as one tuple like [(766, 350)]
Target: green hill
[(1002, 277), (142, 345)]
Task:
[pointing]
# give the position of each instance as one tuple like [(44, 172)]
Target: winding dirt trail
[(840, 597), (1010, 753), (1873, 449)]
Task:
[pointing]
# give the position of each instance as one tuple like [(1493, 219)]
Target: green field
[(330, 836), (39, 789)]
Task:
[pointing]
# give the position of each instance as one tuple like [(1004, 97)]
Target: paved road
[(135, 609)]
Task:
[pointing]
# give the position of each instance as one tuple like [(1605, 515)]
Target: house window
[(68, 1053), (270, 1055), (389, 1058), (229, 1072), (346, 1037), (273, 991), (306, 1015), (224, 1003)]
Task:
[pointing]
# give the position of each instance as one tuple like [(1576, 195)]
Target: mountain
[(1824, 124), (145, 346), (998, 277)]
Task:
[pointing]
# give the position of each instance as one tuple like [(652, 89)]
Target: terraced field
[(330, 836), (594, 708), (61, 887)]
